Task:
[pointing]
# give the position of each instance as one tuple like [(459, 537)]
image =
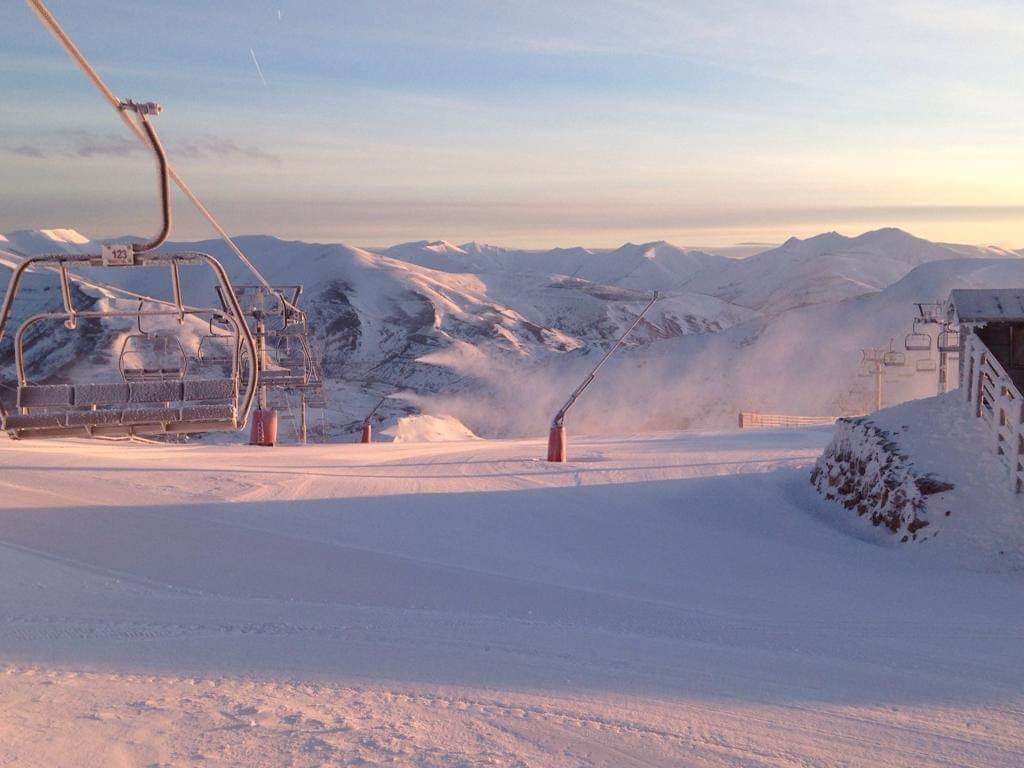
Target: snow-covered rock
[(925, 467), (864, 471)]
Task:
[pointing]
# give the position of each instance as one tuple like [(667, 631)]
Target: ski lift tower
[(947, 341), (286, 361), (876, 360)]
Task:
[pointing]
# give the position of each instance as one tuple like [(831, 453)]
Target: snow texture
[(670, 600)]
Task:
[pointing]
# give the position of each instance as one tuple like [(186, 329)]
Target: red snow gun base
[(264, 428), (556, 445)]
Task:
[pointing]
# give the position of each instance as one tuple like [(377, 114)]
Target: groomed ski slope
[(676, 600)]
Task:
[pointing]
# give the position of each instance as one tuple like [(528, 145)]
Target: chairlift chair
[(130, 407), (917, 341), (948, 339), (288, 361), (894, 359), (216, 349), (926, 365), (152, 357)]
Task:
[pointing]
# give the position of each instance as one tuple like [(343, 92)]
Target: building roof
[(977, 305)]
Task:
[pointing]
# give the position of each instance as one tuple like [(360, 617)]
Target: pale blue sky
[(526, 123)]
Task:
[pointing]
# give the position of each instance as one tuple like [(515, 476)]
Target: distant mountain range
[(497, 336)]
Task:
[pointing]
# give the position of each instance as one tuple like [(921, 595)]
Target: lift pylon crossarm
[(559, 420)]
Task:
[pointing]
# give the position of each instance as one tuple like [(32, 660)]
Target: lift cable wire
[(51, 23)]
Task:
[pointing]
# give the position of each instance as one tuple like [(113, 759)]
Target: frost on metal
[(864, 470)]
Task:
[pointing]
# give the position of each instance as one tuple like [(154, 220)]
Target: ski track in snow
[(668, 600)]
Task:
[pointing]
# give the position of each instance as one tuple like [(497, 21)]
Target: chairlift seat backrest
[(45, 395), (142, 406)]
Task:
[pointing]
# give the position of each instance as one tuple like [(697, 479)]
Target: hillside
[(456, 329), (827, 268)]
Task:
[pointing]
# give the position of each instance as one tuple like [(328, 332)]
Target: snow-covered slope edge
[(923, 471)]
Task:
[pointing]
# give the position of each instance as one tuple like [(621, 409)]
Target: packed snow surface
[(670, 600)]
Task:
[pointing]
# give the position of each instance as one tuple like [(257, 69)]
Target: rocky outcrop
[(864, 470)]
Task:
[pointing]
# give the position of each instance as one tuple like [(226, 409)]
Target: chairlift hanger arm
[(143, 111), (560, 416)]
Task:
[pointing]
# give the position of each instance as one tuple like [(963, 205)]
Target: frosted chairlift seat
[(149, 399), (143, 407), (917, 342)]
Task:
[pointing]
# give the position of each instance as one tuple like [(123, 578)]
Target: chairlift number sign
[(118, 255)]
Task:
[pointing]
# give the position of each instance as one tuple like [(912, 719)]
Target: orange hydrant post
[(367, 433), (556, 444), (264, 428)]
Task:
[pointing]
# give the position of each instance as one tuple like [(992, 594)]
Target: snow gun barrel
[(366, 432), (556, 439)]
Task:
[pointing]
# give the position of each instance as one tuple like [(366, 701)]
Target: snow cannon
[(556, 444), (264, 428), (366, 434), (556, 437)]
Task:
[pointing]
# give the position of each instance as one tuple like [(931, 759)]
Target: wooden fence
[(991, 396)]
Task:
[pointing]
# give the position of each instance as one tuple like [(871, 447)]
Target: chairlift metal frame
[(71, 316)]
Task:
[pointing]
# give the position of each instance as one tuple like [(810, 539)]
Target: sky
[(528, 123)]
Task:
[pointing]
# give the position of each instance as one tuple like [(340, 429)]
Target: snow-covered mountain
[(498, 337), (32, 241), (649, 266), (826, 268)]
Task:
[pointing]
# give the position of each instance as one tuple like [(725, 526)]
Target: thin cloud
[(92, 144), (28, 150)]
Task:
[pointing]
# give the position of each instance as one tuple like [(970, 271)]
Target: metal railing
[(992, 396), (748, 420)]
